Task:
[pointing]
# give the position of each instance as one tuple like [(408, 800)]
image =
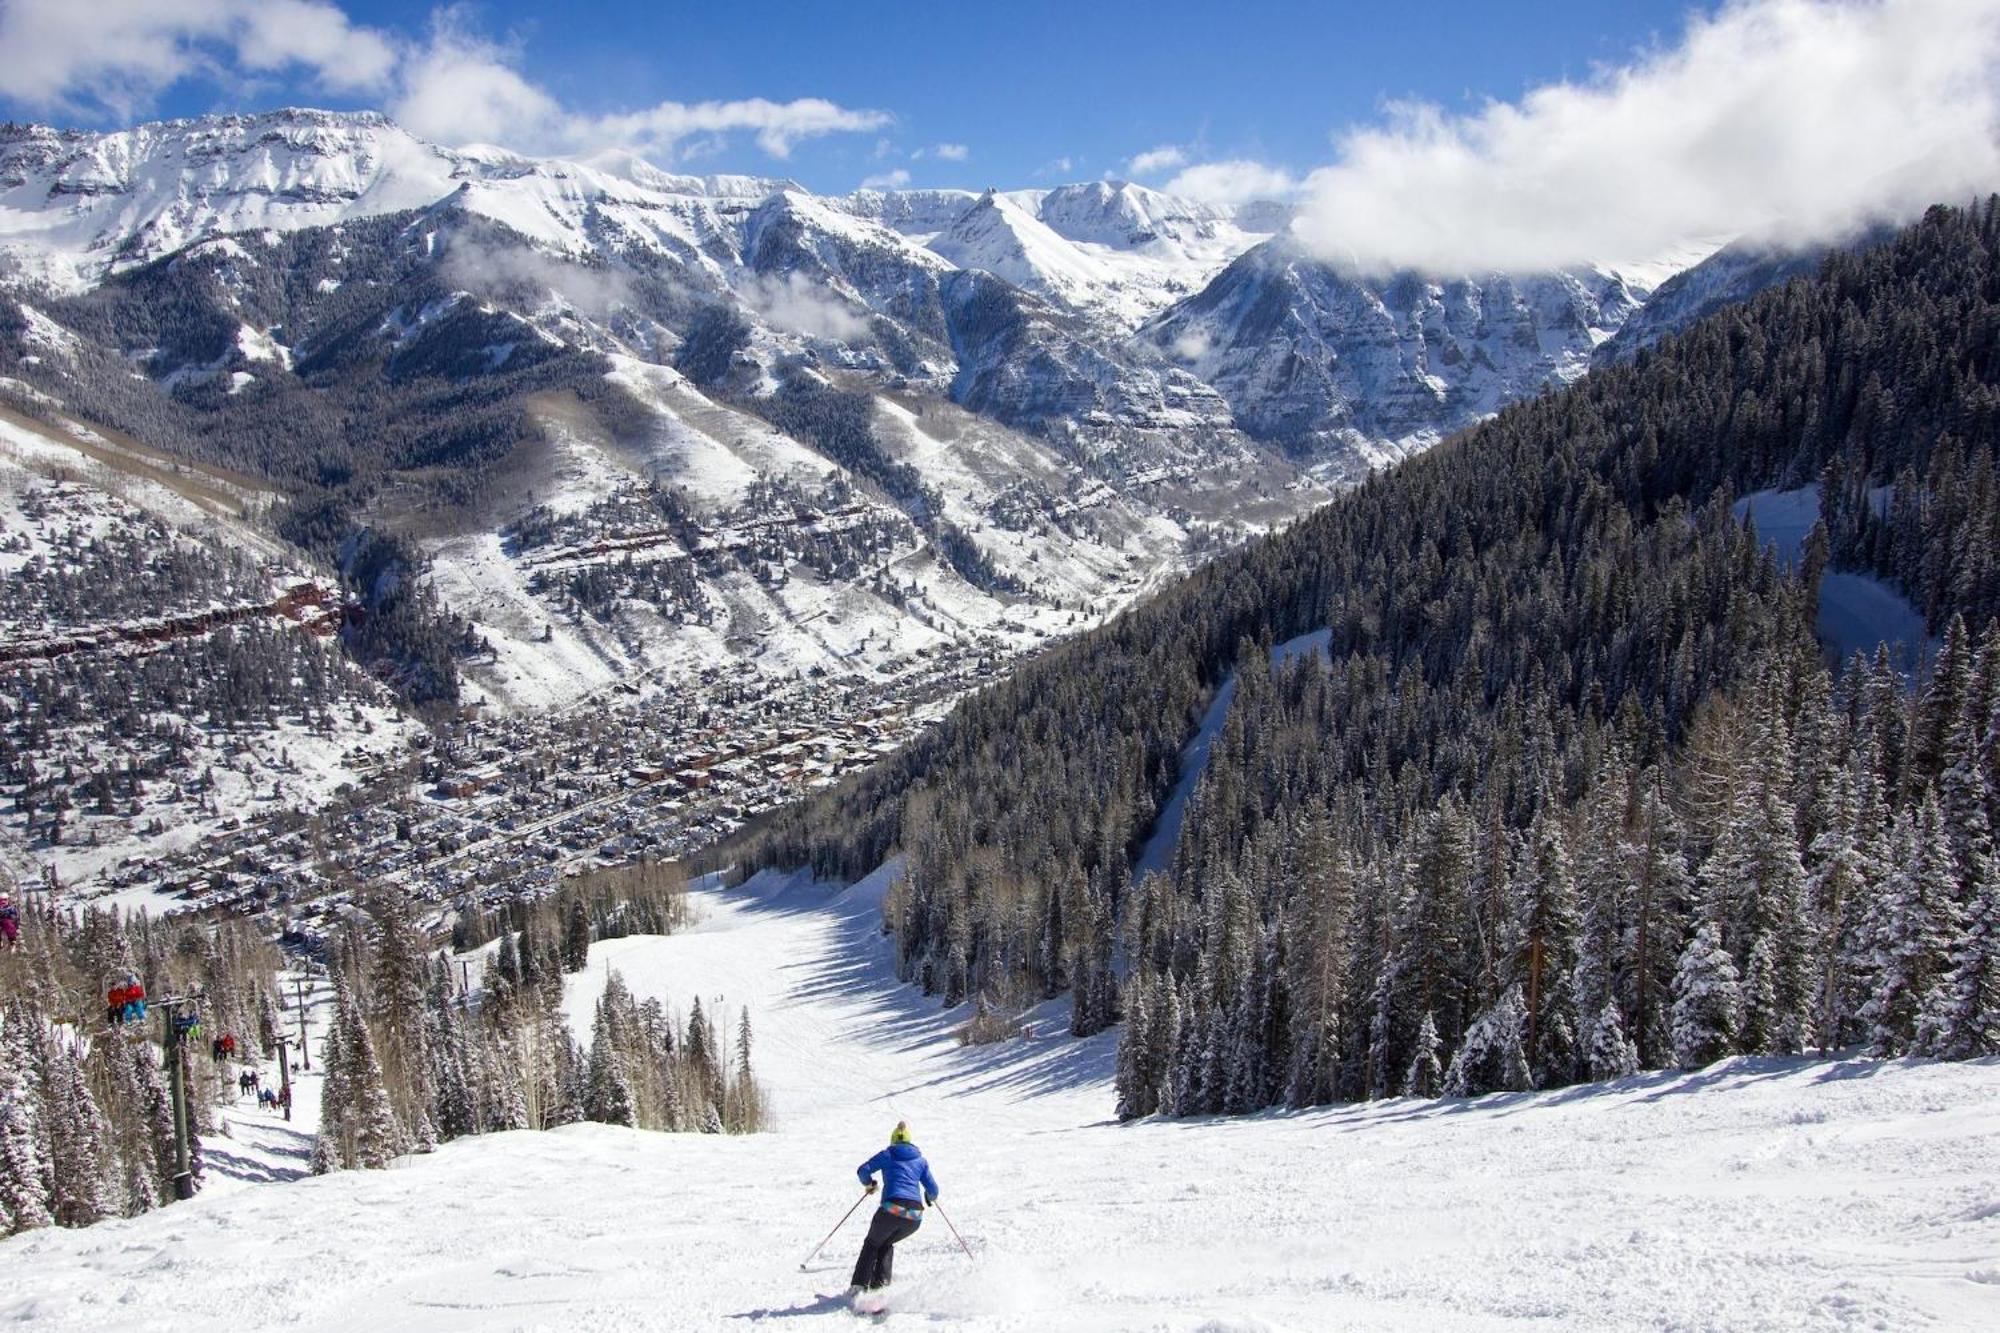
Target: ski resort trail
[(1756, 1193)]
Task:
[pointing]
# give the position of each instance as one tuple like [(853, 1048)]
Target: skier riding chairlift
[(125, 1002)]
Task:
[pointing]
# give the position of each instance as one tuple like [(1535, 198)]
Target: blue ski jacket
[(905, 1174)]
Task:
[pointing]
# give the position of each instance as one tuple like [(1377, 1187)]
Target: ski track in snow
[(1157, 856), (1758, 1193)]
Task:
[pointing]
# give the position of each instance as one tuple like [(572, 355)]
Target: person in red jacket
[(125, 1001)]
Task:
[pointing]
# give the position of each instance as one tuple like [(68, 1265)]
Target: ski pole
[(831, 1234), (954, 1230)]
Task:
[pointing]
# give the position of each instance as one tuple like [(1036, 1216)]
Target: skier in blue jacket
[(907, 1185)]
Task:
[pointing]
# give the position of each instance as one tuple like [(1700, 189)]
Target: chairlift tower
[(182, 1014)]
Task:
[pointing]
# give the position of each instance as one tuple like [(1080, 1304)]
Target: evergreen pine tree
[(1492, 1058), (608, 1096), (1708, 1001), (24, 1168), (1425, 1076), (576, 936), (1609, 1054), (1963, 1017), (1912, 932)]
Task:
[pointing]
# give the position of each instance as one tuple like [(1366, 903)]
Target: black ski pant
[(878, 1252)]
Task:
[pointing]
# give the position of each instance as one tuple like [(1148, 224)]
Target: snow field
[(1757, 1193), (1856, 611)]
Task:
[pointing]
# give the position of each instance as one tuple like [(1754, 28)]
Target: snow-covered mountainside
[(638, 431), (1241, 328), (1755, 1193), (1358, 372), (1734, 273)]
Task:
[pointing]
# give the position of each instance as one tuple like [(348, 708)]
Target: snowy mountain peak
[(1004, 238)]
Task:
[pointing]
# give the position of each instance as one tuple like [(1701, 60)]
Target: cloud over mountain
[(1802, 119)]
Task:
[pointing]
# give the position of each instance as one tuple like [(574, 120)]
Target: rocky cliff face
[(1350, 372)]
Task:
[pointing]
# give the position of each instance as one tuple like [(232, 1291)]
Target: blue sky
[(1022, 87)]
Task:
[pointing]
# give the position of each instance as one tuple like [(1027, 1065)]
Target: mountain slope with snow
[(1356, 372), (1302, 356), (1755, 1193)]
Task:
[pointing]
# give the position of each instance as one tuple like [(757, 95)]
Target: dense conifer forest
[(86, 1129), (412, 1055), (1574, 790)]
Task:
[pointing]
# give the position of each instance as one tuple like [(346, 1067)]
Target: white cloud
[(278, 33), (1798, 119), (461, 88), (1234, 182), (776, 125), (795, 302), (952, 152), (1155, 160), (114, 57), (887, 180)]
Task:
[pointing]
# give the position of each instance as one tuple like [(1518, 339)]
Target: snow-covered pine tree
[(1166, 1041), (1782, 1022), (1660, 891), (24, 1168), (1609, 1054), (1837, 890), (1604, 877), (1708, 1000), (1492, 1057), (398, 978), (1425, 1076), (1137, 1076), (608, 1096), (1545, 925), (1913, 930), (576, 936), (747, 1110), (1430, 943), (1962, 1018), (1320, 961), (358, 1126), (77, 1133)]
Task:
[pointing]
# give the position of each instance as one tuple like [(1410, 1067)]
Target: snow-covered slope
[(1355, 372), (1733, 273), (1754, 1194), (1857, 612), (75, 205)]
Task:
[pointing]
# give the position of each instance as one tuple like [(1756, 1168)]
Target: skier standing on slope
[(907, 1185)]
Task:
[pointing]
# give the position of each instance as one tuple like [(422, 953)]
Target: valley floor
[(1787, 1194)]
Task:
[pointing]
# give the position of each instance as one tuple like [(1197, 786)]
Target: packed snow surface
[(1752, 1194)]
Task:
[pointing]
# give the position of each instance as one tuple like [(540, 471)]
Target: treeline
[(1394, 863), (413, 1059), (86, 1126)]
